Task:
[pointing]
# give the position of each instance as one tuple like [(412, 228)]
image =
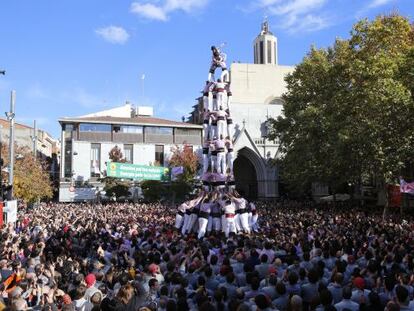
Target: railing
[(265, 142)]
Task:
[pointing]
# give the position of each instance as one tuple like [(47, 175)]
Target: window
[(159, 155), (158, 130), (68, 128), (255, 54), (275, 53), (129, 153), (269, 51), (187, 132), (95, 160), (262, 60), (131, 129), (91, 127)]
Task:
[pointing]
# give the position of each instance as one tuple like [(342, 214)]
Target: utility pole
[(34, 139), (10, 117)]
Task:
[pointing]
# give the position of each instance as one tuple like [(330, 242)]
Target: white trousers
[(210, 224), (221, 163), (230, 130), (214, 161), (221, 128), (216, 224), (219, 96), (213, 131), (202, 227), (185, 224), (229, 226), (179, 220), (206, 102), (192, 221), (215, 104), (206, 161), (224, 75), (206, 131), (237, 223), (244, 222), (230, 160)]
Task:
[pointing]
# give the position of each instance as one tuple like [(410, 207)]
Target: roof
[(5, 123), (131, 121)]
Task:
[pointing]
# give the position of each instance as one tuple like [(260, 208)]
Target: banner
[(406, 187), (136, 172)]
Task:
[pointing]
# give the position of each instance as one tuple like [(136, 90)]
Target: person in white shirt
[(220, 115), (229, 154), (219, 88), (219, 145)]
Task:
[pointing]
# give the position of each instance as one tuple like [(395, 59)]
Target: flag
[(178, 170), (406, 187), (143, 76)]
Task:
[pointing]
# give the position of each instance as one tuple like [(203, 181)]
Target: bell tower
[(265, 46)]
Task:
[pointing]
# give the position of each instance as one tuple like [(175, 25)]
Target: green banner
[(137, 172)]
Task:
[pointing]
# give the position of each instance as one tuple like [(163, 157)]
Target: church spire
[(265, 46)]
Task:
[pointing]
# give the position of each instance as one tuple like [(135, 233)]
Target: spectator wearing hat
[(359, 290), (90, 281)]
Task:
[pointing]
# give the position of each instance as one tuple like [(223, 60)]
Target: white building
[(257, 90), (143, 139)]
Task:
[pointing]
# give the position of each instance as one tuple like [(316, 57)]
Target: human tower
[(218, 206)]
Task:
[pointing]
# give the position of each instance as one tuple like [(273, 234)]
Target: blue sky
[(72, 57)]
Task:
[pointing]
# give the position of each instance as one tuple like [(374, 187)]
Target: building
[(257, 95), (143, 139), (48, 148)]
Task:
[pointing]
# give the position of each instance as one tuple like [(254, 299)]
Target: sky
[(74, 57)]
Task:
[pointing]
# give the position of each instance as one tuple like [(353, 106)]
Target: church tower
[(265, 46)]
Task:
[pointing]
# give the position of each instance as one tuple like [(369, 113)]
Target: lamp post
[(10, 117)]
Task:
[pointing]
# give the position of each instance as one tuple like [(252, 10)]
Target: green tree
[(114, 185), (349, 108), (31, 178), (186, 158)]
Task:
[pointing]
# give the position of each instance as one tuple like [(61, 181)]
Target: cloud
[(295, 15), (160, 11), (376, 3), (113, 34)]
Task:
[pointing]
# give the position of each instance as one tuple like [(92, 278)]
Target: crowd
[(131, 257)]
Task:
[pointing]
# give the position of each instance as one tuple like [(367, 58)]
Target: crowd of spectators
[(124, 256)]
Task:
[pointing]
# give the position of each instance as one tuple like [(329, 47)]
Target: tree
[(153, 190), (31, 180), (186, 158), (114, 185), (348, 109), (116, 155)]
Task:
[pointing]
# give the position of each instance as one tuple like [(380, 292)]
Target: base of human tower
[(217, 207)]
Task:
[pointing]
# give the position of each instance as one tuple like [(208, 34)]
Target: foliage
[(181, 189), (349, 108), (31, 178), (153, 190), (116, 155), (186, 158), (117, 187)]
